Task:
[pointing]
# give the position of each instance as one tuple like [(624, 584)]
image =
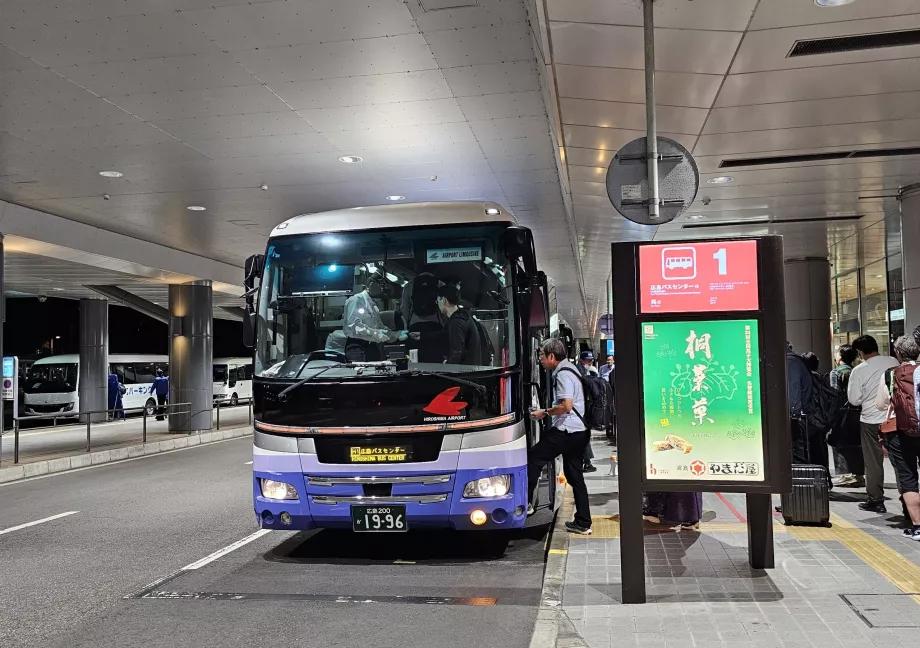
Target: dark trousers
[(572, 448), (874, 460), (161, 401)]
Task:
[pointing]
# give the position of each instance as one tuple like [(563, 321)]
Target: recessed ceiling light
[(492, 211), (111, 174), (196, 208), (695, 217), (351, 159), (396, 197), (57, 289), (833, 3), (720, 180)]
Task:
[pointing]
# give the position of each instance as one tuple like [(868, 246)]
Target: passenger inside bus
[(364, 327), (363, 297), (464, 345)]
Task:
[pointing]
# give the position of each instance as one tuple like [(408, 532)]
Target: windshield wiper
[(460, 381), (282, 395)]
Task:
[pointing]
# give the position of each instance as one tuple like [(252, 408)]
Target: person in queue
[(845, 434), (904, 443), (586, 368), (606, 370), (861, 391), (587, 362), (463, 342), (800, 393), (567, 436)]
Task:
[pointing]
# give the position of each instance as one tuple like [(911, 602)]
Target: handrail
[(161, 410), (226, 403)]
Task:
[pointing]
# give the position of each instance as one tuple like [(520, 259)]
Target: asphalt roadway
[(163, 551)]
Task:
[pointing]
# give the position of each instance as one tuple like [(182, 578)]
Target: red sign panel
[(698, 277)]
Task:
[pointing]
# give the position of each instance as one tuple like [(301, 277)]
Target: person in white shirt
[(567, 436), (861, 392)]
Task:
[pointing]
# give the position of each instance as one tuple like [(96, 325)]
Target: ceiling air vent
[(788, 221), (838, 44), (818, 157)]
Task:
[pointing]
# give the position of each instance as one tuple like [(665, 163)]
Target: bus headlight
[(277, 490), (495, 486)]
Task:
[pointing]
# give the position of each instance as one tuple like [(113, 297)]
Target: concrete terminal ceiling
[(199, 102)]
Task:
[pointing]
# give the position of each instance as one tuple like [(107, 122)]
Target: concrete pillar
[(94, 357), (808, 307), (910, 255), (191, 355)]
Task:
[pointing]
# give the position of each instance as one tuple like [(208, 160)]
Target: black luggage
[(809, 502)]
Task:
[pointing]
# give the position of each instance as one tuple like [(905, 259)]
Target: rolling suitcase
[(809, 502)]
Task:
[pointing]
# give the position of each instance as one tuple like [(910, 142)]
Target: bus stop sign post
[(702, 325), (10, 388)]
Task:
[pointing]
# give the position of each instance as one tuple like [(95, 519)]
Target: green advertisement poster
[(701, 399)]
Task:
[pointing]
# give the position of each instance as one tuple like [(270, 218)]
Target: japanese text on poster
[(702, 401)]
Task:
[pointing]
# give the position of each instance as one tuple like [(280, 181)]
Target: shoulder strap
[(583, 393)]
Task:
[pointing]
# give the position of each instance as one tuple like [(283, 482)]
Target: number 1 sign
[(698, 277)]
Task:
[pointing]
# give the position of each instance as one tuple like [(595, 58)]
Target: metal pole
[(249, 410), (89, 424), (15, 441), (218, 415), (145, 425), (651, 122)]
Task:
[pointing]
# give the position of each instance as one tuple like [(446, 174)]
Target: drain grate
[(886, 610)]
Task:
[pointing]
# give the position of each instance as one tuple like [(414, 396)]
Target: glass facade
[(867, 295)]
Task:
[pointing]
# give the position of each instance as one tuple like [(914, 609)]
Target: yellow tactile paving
[(898, 570), (607, 527)]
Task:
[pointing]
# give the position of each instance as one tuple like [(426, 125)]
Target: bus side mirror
[(518, 245), (249, 329), (539, 317)]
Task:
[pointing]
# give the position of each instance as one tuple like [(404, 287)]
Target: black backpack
[(424, 296), (595, 390), (486, 350), (824, 406)]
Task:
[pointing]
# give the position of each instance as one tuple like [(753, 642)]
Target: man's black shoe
[(589, 467), (873, 506), (574, 527)]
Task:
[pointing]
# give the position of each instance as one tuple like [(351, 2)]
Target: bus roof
[(389, 216), (70, 358)]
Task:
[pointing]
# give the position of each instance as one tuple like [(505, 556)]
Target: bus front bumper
[(325, 501)]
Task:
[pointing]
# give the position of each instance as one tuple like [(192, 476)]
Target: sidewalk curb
[(554, 629), (64, 464)]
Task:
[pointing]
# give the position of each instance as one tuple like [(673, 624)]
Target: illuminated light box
[(702, 411), (698, 277)]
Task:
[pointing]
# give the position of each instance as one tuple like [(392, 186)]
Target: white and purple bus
[(365, 419)]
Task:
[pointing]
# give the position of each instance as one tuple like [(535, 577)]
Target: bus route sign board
[(698, 277), (700, 383), (701, 400)]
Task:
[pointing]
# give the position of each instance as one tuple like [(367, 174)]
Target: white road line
[(43, 520), (223, 552)]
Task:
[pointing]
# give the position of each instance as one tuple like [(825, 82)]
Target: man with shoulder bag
[(568, 434)]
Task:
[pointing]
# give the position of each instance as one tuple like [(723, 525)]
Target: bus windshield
[(51, 378), (330, 299)]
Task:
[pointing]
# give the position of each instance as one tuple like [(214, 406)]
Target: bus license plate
[(390, 518)]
